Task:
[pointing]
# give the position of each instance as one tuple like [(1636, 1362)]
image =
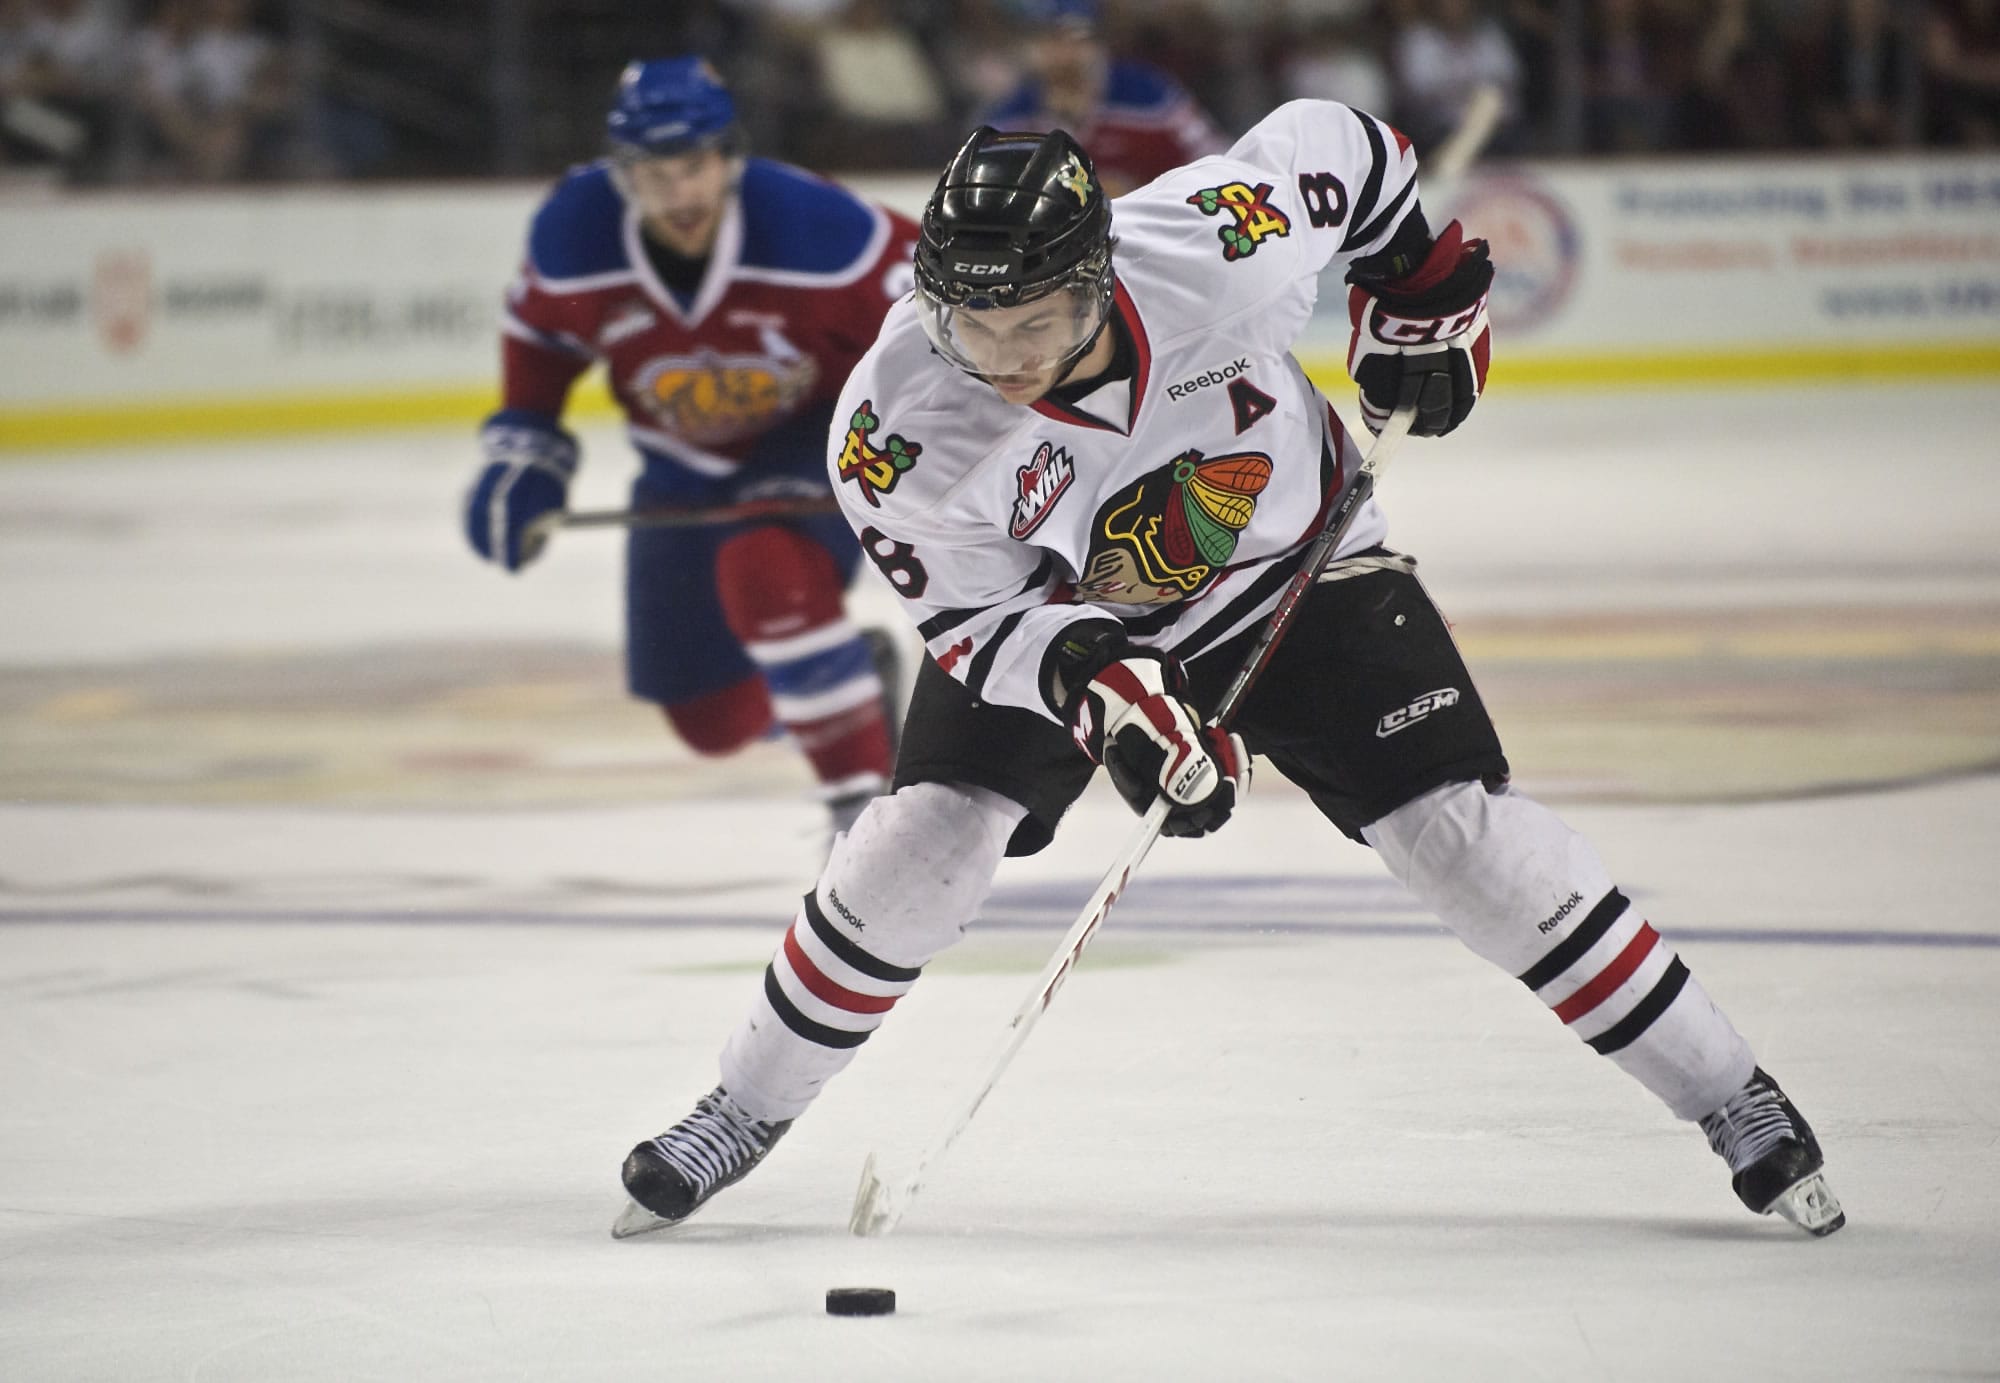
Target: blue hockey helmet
[(670, 106), (1061, 14)]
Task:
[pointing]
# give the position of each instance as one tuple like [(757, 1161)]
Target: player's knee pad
[(1500, 869), (915, 869), (724, 721), (775, 582)]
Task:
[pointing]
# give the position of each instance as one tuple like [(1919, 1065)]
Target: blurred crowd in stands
[(207, 91)]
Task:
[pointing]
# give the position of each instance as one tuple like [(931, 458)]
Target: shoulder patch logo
[(1041, 483), (874, 470), (1253, 218)]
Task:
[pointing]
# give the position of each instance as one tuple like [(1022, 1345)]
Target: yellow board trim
[(180, 420), (52, 429), (1718, 368)]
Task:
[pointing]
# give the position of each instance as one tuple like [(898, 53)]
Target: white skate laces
[(1755, 1120), (672, 1176), (714, 1142)]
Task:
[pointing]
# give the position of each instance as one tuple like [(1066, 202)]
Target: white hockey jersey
[(1178, 501)]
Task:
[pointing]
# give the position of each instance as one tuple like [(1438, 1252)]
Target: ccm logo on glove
[(1428, 327)]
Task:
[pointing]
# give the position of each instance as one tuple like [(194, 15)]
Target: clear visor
[(1017, 345)]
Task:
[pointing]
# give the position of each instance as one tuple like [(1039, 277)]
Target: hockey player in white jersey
[(1085, 457)]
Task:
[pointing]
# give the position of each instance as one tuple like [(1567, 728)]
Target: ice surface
[(312, 1077)]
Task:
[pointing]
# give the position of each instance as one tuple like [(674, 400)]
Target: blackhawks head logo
[(1252, 217), (875, 470), (1161, 539)]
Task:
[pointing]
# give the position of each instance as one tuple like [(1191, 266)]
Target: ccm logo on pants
[(1409, 715)]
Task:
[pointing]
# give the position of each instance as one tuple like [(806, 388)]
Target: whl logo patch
[(1403, 718), (1042, 482), (1253, 218)]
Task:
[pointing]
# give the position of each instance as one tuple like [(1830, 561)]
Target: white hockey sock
[(1526, 892), (900, 886)]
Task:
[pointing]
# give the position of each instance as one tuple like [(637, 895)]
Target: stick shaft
[(1316, 559), (675, 516)]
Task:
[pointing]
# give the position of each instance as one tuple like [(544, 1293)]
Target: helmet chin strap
[(1062, 376)]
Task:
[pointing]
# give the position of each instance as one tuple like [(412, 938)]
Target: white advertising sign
[(141, 315), (1742, 253), (126, 299)]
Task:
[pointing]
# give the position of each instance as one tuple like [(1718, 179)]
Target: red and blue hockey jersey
[(1146, 124), (796, 286)]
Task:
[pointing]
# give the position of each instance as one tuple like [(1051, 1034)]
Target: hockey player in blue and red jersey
[(727, 297), (1135, 120)]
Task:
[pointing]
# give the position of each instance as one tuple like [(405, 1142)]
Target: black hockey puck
[(860, 1301)]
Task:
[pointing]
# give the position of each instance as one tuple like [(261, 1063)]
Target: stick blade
[(877, 1205)]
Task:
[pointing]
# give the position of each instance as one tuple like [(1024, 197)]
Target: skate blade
[(876, 1207), (1811, 1206), (635, 1220)]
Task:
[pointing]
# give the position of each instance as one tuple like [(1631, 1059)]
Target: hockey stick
[(1448, 162), (879, 1204), (695, 516)]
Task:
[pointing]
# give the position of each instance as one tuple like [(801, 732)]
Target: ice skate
[(1775, 1158), (672, 1176)]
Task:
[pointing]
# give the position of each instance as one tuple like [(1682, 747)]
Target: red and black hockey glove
[(1429, 324), (1130, 715)]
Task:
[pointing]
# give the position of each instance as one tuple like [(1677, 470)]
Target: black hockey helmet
[(1016, 218)]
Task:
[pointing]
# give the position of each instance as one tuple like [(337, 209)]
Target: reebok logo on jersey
[(1042, 482), (1207, 377), (1254, 219), (1405, 717), (1554, 920)]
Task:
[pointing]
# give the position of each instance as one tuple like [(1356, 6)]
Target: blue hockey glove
[(515, 502)]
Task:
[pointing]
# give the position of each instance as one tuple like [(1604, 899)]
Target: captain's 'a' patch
[(1249, 404)]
